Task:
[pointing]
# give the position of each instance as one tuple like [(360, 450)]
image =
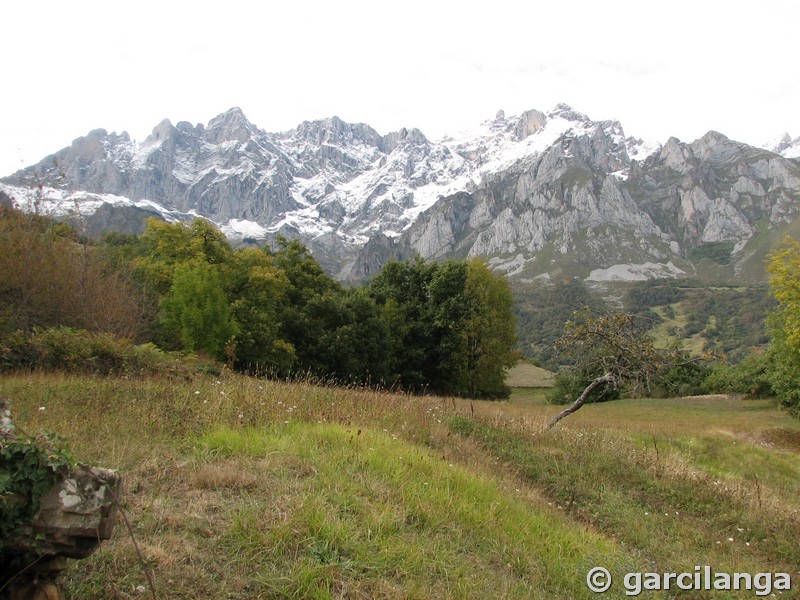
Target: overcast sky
[(677, 68)]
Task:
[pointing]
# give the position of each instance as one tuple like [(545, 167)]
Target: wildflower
[(196, 392)]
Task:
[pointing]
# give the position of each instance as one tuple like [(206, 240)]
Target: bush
[(80, 351), (783, 372), (569, 385), (680, 380), (750, 377)]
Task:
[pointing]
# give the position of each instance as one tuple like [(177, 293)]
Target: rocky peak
[(676, 155), (163, 131), (188, 128), (335, 132), (392, 140), (231, 125), (779, 144), (565, 111), (718, 149), (529, 123), (89, 147)]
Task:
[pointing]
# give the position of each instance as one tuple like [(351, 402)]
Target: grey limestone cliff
[(531, 193)]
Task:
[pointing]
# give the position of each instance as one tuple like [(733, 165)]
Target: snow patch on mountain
[(640, 272), (58, 204), (784, 145), (239, 229), (510, 266)]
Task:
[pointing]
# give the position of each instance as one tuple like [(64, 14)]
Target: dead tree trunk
[(593, 385)]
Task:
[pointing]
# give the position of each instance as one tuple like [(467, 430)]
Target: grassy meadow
[(242, 488)]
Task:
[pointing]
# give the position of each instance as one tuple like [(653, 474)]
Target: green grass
[(527, 375), (661, 332), (244, 488), (374, 512), (658, 502)]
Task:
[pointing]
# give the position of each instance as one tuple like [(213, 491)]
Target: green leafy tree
[(258, 292), (196, 309), (751, 376), (169, 245), (451, 326), (784, 324), (307, 282), (352, 340), (402, 291), (489, 333), (165, 247)]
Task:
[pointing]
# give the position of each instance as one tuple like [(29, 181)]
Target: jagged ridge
[(534, 193)]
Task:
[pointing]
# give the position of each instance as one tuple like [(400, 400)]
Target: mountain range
[(535, 194)]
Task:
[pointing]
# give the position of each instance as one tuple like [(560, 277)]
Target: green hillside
[(527, 375)]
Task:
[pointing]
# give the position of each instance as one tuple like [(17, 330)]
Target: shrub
[(80, 351), (570, 384), (751, 377)]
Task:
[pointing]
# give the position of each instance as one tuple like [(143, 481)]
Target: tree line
[(442, 327)]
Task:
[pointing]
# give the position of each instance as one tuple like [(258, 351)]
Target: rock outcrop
[(74, 515)]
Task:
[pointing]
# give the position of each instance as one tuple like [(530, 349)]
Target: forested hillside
[(728, 321)]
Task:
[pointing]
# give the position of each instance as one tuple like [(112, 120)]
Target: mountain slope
[(534, 194)]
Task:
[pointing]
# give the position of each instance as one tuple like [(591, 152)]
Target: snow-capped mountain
[(785, 146), (532, 193)]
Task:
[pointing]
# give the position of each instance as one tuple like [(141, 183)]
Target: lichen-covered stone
[(75, 515)]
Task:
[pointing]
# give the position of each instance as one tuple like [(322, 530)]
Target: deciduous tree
[(611, 349), (784, 324), (197, 311)]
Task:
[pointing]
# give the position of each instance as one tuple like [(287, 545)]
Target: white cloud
[(678, 68)]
